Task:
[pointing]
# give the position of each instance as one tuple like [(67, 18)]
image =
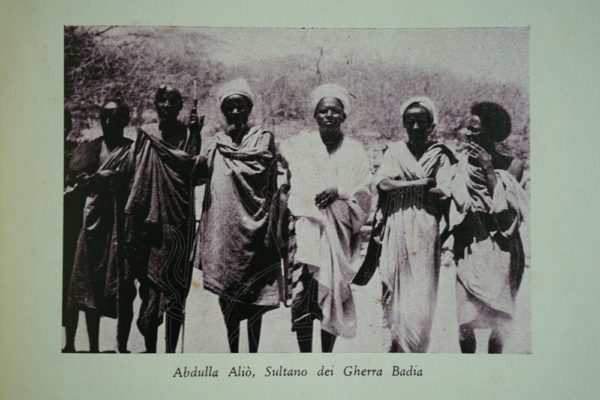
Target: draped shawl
[(327, 240), (160, 216), (230, 245), (410, 254), (487, 246), (99, 256)]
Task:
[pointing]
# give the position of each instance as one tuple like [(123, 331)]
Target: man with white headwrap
[(329, 201), (239, 168), (409, 181)]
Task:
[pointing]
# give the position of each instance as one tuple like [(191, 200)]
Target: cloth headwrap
[(424, 102), (330, 90), (237, 86)]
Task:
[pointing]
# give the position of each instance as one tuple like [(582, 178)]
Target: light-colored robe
[(487, 246), (327, 239), (411, 247)]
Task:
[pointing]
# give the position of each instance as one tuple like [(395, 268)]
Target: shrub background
[(132, 62)]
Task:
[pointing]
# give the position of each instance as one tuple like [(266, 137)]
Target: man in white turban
[(426, 103), (330, 90), (329, 201), (235, 87), (410, 180), (238, 166)]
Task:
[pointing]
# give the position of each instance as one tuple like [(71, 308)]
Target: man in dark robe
[(239, 166), (160, 218), (97, 283)]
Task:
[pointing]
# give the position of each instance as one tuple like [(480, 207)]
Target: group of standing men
[(134, 201), (129, 216)]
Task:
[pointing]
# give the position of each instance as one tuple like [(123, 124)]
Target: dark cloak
[(230, 246), (160, 218), (99, 257)]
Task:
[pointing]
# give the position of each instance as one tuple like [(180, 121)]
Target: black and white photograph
[(275, 198), (296, 190)]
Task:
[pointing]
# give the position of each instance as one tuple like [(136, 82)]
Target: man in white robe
[(329, 200)]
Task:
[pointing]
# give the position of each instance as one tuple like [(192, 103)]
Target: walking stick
[(183, 332)]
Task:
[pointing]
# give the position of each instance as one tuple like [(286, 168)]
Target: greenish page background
[(564, 51)]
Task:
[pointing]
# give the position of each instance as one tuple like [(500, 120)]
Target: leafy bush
[(132, 62)]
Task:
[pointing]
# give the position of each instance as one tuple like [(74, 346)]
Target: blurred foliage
[(103, 61), (379, 89)]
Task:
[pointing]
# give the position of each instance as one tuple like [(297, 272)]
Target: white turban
[(424, 102), (330, 90), (235, 87)]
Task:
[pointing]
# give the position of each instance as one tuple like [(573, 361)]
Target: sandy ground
[(205, 330)]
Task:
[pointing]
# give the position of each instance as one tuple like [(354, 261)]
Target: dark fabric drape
[(99, 256), (159, 222)]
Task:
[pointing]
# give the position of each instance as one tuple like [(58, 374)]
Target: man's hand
[(195, 123), (104, 174), (102, 177), (326, 197), (484, 158), (428, 182), (478, 153)]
